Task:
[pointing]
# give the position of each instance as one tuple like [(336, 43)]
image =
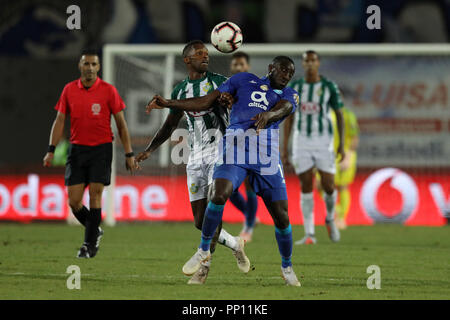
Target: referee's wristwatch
[(129, 154)]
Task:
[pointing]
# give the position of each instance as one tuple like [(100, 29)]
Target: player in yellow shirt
[(346, 170)]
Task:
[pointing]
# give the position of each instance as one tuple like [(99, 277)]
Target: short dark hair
[(190, 45), (241, 54), (281, 59), (89, 52), (311, 52)]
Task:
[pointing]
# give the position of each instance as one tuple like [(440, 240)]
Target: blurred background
[(401, 102)]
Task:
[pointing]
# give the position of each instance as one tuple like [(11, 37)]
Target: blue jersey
[(253, 95), (244, 152)]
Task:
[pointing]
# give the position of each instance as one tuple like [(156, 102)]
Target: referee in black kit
[(90, 102)]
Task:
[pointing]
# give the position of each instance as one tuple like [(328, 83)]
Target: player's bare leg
[(283, 233), (307, 205), (221, 191), (330, 194)]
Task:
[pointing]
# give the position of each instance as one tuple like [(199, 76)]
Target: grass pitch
[(143, 261)]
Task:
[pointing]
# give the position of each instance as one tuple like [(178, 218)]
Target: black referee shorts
[(86, 164)]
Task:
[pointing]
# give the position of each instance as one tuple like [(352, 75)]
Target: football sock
[(330, 201), (252, 206), (307, 203), (92, 223), (213, 216), (284, 240), (238, 201), (81, 215), (228, 240), (344, 203)]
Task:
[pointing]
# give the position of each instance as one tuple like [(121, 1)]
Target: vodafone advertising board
[(385, 195)]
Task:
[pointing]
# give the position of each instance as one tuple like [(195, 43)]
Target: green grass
[(144, 262)]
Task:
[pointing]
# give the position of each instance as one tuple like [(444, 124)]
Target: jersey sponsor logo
[(258, 97), (96, 108), (310, 108)]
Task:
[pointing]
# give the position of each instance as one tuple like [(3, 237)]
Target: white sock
[(307, 203), (227, 240), (330, 201)]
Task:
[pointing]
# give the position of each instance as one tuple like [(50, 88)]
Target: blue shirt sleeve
[(292, 96)]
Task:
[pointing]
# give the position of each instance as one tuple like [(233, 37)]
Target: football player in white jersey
[(312, 145)]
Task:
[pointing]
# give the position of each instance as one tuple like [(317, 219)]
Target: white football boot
[(242, 260), (289, 276), (195, 262)]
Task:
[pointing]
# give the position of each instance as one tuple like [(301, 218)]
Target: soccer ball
[(226, 37)]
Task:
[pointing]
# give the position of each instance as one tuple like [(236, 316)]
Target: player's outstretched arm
[(190, 104), (55, 135), (124, 135), (162, 135), (282, 109)]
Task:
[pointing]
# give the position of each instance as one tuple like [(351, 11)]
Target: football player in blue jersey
[(258, 105), (240, 62)]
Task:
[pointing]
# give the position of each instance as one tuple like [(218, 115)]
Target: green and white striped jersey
[(204, 126), (313, 128)]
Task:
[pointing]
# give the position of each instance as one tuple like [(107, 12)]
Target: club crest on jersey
[(206, 87), (310, 108), (264, 87), (96, 108), (193, 188), (319, 92)]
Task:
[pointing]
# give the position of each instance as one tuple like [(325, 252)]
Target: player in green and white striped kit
[(205, 130), (312, 145)]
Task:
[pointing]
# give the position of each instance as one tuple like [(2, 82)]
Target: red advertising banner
[(385, 195)]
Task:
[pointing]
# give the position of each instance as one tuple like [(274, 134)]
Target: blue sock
[(284, 239), (213, 216), (238, 201), (252, 207)]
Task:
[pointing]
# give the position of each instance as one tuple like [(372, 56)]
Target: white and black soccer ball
[(226, 37)]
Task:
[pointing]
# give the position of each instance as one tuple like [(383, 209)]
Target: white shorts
[(199, 177), (322, 159)]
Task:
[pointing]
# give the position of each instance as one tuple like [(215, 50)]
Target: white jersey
[(312, 125), (204, 126)]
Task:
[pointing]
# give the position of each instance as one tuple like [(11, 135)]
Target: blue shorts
[(269, 187)]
